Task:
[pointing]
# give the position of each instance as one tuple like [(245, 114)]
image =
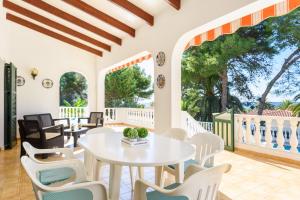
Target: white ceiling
[(153, 7)]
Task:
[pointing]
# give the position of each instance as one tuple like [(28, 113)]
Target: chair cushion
[(50, 135), (154, 195), (78, 194), (51, 176), (89, 125), (186, 164)]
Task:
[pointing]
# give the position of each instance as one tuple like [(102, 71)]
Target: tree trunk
[(224, 97), (287, 63)]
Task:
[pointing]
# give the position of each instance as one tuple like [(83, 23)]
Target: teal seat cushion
[(79, 194), (51, 176), (186, 164), (154, 195)]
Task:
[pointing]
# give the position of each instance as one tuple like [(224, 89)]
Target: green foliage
[(125, 132), (142, 132), (214, 71), (132, 134), (73, 90), (125, 87), (285, 105)]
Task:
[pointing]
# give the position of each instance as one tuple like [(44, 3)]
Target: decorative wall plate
[(160, 81), (47, 83), (20, 81), (160, 58)]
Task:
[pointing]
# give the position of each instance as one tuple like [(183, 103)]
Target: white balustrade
[(132, 116), (73, 112), (193, 126), (280, 135)]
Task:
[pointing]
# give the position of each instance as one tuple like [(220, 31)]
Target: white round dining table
[(158, 152)]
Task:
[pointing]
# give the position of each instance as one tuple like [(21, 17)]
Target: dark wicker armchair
[(95, 120), (46, 120), (40, 137)]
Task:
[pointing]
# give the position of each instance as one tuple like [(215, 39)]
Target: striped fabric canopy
[(131, 63), (253, 19)]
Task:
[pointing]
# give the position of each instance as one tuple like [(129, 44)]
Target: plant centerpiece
[(132, 135), (143, 133), (135, 135)]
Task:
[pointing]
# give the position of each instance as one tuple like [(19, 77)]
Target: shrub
[(143, 132), (125, 132), (132, 134)]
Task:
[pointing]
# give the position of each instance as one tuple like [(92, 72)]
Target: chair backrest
[(206, 144), (33, 170), (100, 130), (29, 128), (202, 184), (45, 120), (176, 133), (95, 116)]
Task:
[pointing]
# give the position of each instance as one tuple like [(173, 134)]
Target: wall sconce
[(34, 72)]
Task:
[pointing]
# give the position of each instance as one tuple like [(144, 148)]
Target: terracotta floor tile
[(249, 178)]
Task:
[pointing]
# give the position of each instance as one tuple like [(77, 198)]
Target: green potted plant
[(125, 132), (143, 133), (132, 135)]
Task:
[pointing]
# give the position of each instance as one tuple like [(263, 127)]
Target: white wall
[(27, 49), (163, 36)]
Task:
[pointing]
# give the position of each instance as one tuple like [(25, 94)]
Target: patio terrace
[(251, 178)]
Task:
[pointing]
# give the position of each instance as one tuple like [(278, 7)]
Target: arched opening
[(129, 92), (73, 95), (229, 57)]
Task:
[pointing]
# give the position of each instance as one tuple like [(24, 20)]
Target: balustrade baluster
[(293, 136), (268, 135), (280, 138)]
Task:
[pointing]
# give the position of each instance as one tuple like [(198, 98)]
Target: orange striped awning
[(253, 19), (131, 63)]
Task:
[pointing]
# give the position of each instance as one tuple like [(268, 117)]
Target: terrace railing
[(132, 116), (278, 136), (193, 126), (73, 112)]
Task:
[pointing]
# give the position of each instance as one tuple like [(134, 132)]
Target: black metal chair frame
[(27, 127), (99, 121)]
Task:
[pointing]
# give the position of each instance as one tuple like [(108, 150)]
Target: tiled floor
[(251, 178)]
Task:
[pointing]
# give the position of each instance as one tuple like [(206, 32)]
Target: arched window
[(73, 90)]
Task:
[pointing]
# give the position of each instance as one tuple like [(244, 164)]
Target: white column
[(163, 111), (101, 90)]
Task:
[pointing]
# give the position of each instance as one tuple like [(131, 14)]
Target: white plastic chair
[(207, 146), (81, 190), (199, 185), (176, 133), (31, 151)]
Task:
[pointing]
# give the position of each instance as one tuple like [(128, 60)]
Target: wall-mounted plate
[(160, 81), (20, 81), (161, 58), (47, 83)]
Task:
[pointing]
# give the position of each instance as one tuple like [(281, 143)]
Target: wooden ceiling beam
[(81, 5), (18, 9), (135, 10), (175, 3), (52, 34), (68, 17)]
